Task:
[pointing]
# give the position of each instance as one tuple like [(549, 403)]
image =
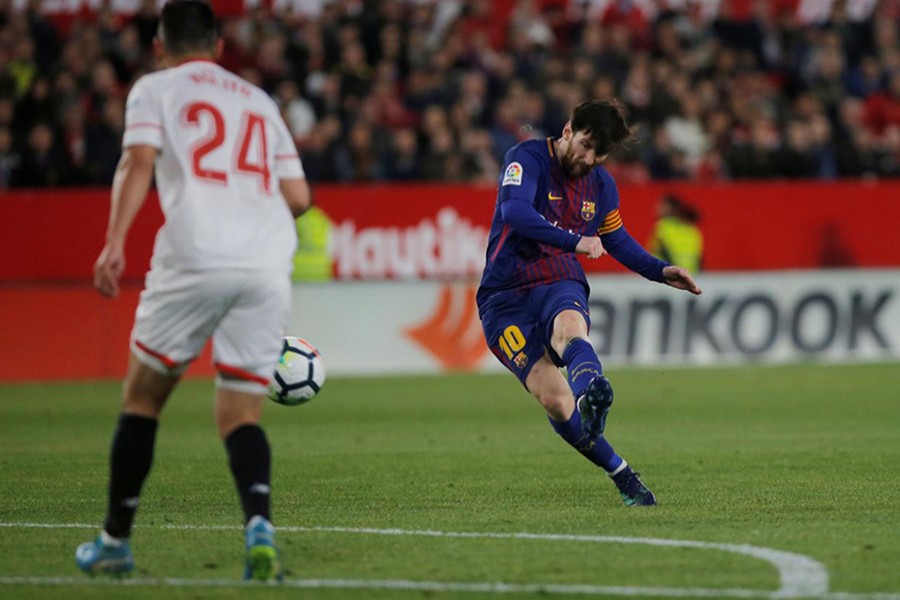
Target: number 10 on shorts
[(512, 341)]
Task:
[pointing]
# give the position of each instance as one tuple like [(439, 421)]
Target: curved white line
[(433, 586), (398, 584), (799, 575)]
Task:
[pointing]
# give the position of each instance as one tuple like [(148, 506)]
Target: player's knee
[(557, 404), (561, 342), (565, 329), (146, 388)]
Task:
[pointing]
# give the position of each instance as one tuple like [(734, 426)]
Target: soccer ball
[(299, 373)]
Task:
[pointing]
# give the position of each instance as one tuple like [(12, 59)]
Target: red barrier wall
[(53, 331), (56, 235), (69, 332)]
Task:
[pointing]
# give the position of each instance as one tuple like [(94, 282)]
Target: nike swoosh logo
[(552, 197)]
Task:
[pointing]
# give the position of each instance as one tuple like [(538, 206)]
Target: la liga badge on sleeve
[(513, 174)]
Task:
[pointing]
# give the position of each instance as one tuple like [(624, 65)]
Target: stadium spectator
[(126, 52), (22, 68), (43, 163), (757, 156), (74, 145), (7, 111), (441, 160), (319, 151), (385, 103), (298, 112), (677, 238), (9, 159), (35, 106), (357, 159), (685, 130), (403, 164), (476, 147), (104, 88), (796, 154), (707, 72), (104, 138), (882, 109), (664, 161), (505, 129)]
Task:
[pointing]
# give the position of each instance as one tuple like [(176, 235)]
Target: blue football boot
[(97, 557), (262, 558), (594, 405), (632, 489)]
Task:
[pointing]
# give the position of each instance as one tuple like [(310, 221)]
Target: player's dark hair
[(605, 121), (187, 26)]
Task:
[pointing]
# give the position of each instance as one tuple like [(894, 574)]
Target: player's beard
[(573, 170)]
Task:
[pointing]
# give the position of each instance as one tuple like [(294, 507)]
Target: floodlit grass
[(802, 459)]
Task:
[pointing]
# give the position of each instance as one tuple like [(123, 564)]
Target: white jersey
[(223, 148)]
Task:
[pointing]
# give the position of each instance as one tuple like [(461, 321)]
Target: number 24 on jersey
[(253, 129)]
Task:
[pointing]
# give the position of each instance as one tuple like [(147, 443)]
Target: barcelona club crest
[(521, 360), (588, 210)]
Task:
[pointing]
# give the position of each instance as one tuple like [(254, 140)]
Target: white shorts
[(245, 312)]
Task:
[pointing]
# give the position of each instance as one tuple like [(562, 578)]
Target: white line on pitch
[(434, 586), (799, 575), (401, 584)]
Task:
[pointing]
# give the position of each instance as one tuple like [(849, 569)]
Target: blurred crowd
[(427, 90)]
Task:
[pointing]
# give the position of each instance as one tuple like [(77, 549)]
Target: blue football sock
[(597, 449), (582, 365)]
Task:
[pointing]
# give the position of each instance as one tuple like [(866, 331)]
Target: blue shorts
[(518, 324)]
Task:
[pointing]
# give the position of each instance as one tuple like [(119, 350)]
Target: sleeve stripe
[(612, 218), (612, 222), (154, 125), (286, 156)]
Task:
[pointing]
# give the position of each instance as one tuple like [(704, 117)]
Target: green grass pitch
[(802, 459)]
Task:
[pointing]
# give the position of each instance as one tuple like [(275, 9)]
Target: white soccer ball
[(299, 373)]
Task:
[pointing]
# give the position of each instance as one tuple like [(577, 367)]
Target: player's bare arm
[(297, 195), (679, 278), (591, 246), (129, 190)]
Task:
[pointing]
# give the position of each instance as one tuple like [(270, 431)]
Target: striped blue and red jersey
[(540, 216)]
